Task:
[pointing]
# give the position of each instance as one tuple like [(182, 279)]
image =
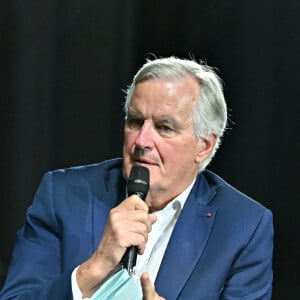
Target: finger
[(129, 228), (133, 209), (152, 219), (133, 220), (147, 287), (133, 202), (139, 204)]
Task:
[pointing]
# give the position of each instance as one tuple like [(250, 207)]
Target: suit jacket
[(221, 246)]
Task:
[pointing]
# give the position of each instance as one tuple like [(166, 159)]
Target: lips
[(144, 161)]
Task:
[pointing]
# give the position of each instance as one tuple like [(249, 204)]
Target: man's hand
[(128, 225), (148, 288)]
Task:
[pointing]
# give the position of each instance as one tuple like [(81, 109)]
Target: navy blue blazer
[(221, 246)]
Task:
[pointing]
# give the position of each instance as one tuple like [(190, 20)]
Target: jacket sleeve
[(35, 270), (251, 273)]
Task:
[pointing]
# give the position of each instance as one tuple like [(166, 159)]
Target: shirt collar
[(165, 215)]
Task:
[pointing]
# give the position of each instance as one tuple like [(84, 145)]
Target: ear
[(205, 147)]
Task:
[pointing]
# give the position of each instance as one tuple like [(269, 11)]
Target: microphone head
[(138, 181)]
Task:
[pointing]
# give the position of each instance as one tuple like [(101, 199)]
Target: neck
[(158, 200)]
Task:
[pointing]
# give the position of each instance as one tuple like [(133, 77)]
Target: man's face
[(159, 135)]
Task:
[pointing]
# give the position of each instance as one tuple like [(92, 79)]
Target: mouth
[(143, 162)]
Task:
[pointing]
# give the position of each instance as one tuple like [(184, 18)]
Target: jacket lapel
[(110, 192), (188, 240)]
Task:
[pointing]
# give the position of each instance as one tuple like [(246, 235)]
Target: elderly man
[(197, 237)]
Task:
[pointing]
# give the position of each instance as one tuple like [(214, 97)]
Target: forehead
[(164, 96)]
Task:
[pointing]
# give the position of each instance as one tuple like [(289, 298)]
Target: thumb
[(148, 288), (147, 285), (134, 202)]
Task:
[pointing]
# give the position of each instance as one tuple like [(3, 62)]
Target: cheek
[(183, 152), (128, 141), (126, 156), (126, 160)]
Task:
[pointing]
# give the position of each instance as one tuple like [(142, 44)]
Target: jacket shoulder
[(227, 195), (94, 177), (92, 169)]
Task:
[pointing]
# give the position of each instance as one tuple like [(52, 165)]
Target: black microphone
[(138, 184)]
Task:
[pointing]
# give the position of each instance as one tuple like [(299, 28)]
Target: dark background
[(63, 65)]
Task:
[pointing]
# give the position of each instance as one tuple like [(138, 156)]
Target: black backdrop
[(64, 65)]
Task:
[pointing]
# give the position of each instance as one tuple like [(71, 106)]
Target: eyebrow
[(134, 113)]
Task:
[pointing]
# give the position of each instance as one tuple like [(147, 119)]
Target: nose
[(144, 138)]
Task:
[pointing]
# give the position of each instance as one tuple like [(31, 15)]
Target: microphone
[(138, 184)]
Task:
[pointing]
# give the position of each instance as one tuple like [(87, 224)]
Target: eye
[(165, 130), (134, 122)]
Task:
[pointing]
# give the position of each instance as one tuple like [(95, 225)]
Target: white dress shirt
[(157, 242)]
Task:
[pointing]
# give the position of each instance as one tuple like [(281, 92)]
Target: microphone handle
[(129, 258)]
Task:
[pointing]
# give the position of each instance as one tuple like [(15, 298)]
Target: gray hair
[(210, 114)]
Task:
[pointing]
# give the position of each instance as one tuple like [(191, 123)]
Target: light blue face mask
[(121, 286)]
